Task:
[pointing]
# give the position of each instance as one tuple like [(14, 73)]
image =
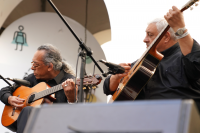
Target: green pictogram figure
[(20, 38)]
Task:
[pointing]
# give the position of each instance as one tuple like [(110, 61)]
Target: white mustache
[(147, 45)]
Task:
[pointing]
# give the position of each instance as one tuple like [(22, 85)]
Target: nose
[(146, 40), (33, 67)]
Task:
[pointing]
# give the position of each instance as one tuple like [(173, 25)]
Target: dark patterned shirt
[(60, 95), (176, 77)]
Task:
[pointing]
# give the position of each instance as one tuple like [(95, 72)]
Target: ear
[(167, 37), (50, 67)]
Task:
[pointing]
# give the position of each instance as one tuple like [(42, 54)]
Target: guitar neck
[(47, 92), (156, 41), (89, 80), (161, 34), (151, 46)]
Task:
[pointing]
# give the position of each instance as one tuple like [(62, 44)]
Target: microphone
[(113, 68), (20, 81)]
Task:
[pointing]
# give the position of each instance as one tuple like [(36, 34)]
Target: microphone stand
[(82, 73), (1, 77), (85, 50)]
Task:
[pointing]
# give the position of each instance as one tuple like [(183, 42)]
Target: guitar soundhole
[(30, 100)]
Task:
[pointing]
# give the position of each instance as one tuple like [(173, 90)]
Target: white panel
[(43, 28), (128, 20)]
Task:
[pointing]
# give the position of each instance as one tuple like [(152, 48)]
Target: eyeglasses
[(35, 64)]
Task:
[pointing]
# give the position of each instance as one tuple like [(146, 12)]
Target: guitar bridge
[(14, 108), (14, 111)]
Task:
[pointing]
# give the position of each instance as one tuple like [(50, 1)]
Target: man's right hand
[(15, 101), (115, 79)]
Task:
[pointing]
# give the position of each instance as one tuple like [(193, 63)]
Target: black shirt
[(176, 77), (60, 95)]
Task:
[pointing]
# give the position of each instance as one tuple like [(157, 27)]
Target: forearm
[(186, 44), (71, 97), (4, 94), (192, 62), (114, 82)]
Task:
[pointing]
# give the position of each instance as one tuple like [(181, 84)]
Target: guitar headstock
[(189, 5), (90, 80)]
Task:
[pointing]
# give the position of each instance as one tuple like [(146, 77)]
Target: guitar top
[(142, 71), (34, 96)]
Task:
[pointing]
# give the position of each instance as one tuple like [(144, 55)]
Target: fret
[(144, 68), (47, 92)]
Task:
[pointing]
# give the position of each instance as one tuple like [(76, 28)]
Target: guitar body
[(35, 96), (131, 85), (8, 120)]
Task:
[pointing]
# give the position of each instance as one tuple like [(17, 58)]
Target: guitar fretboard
[(47, 92)]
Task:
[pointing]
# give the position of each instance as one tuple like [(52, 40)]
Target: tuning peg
[(94, 87), (90, 75), (191, 8), (98, 77), (196, 4)]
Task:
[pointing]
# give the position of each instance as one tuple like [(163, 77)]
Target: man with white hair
[(178, 74), (48, 67)]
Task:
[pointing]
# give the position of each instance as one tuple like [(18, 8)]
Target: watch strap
[(177, 32), (184, 35)]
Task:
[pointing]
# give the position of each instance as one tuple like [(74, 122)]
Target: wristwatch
[(180, 31)]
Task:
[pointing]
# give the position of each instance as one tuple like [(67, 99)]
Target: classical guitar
[(34, 96), (131, 85)]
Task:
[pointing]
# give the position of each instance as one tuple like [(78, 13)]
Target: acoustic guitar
[(35, 96), (142, 71)]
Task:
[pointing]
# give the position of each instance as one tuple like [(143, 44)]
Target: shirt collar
[(59, 77), (170, 50)]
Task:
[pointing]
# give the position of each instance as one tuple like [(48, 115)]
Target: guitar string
[(150, 63), (144, 70), (165, 29), (148, 49), (47, 92), (54, 89)]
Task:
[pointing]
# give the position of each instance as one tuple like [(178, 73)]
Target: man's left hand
[(175, 18), (69, 87)]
